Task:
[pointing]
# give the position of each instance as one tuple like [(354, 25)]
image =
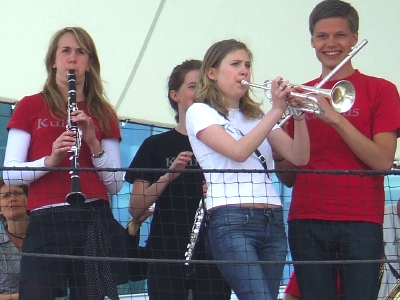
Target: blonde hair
[(208, 92), (96, 100)]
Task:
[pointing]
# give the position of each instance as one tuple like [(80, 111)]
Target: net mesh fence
[(98, 244)]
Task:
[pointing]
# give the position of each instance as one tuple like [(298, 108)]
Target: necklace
[(16, 236)]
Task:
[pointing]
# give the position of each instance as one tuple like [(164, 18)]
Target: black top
[(175, 209)]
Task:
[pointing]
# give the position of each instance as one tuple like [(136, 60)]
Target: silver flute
[(194, 236)]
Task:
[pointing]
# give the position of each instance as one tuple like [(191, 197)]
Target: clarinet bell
[(75, 198)]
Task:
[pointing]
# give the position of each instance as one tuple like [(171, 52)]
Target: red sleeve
[(386, 108), (22, 117)]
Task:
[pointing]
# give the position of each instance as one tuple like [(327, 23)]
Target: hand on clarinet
[(85, 124), (61, 146)]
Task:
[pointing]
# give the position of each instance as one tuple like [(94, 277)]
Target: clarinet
[(75, 196), (193, 238)]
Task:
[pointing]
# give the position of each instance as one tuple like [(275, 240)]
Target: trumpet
[(342, 96), (294, 110)]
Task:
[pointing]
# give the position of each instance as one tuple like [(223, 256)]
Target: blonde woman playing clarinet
[(38, 138)]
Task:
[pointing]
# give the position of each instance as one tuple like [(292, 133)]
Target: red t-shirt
[(32, 115), (346, 197), (292, 287)]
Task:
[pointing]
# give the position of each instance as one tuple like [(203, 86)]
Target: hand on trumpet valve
[(295, 111), (280, 90), (282, 86), (329, 115)]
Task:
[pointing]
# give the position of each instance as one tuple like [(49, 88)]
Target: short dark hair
[(177, 78), (334, 9), (23, 187)]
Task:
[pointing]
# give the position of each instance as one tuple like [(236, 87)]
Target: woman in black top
[(176, 197)]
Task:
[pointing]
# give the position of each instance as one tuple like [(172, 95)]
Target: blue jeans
[(247, 234), (320, 240)]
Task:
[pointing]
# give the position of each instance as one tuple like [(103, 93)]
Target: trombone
[(342, 96)]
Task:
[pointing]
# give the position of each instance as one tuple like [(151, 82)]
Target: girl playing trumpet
[(226, 127)]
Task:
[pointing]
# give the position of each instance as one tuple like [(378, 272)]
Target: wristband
[(299, 119)]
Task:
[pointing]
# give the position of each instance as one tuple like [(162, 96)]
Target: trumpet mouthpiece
[(244, 82)]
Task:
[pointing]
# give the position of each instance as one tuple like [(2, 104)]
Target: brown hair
[(208, 92), (25, 190), (177, 78), (334, 9), (96, 100)]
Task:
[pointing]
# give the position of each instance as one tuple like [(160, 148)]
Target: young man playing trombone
[(339, 216)]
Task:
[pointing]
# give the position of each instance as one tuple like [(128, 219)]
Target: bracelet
[(98, 155), (279, 159), (299, 119)]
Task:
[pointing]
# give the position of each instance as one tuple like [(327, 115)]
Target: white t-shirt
[(230, 188)]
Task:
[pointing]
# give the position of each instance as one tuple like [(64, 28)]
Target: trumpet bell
[(343, 96)]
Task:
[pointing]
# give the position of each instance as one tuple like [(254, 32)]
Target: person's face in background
[(228, 75), (12, 202), (332, 40), (70, 55), (185, 95)]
